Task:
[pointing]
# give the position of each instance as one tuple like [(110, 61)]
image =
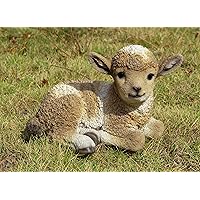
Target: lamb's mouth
[(135, 96)]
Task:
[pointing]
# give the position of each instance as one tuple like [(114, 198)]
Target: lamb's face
[(134, 69), (134, 86)]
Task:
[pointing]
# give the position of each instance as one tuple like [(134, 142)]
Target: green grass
[(33, 60)]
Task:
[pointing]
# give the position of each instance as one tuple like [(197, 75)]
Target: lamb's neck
[(146, 106)]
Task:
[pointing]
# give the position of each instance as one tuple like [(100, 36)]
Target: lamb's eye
[(150, 76), (121, 74)]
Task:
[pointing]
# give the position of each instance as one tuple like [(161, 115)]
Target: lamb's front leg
[(154, 128), (86, 142), (133, 140)]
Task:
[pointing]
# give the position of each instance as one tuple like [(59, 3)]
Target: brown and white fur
[(118, 113)]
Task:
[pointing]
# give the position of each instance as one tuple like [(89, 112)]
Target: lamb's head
[(134, 69)]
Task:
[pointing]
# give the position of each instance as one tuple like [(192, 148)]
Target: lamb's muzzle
[(87, 113)]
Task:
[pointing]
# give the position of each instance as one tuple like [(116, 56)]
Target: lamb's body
[(118, 113), (73, 109)]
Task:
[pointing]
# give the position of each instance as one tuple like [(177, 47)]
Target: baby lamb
[(118, 113)]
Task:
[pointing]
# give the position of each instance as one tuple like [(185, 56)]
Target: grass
[(32, 60)]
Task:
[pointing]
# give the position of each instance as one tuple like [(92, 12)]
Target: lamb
[(85, 114)]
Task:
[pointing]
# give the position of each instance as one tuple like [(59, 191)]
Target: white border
[(107, 13), (96, 186)]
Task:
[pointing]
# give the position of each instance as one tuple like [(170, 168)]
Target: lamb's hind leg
[(84, 144), (154, 128)]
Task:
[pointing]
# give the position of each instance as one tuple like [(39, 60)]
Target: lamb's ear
[(100, 63), (170, 64)]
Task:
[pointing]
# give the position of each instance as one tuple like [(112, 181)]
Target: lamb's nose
[(137, 89)]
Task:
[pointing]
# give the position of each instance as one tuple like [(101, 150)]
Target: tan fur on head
[(134, 57)]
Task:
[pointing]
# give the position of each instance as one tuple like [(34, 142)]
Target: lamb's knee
[(133, 143), (154, 128), (139, 141)]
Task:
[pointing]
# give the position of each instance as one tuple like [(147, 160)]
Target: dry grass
[(33, 60)]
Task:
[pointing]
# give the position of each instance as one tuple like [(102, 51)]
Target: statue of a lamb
[(87, 113)]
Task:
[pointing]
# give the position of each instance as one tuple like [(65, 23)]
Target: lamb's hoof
[(93, 136), (86, 151)]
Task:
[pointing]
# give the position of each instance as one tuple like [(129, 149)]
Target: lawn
[(32, 60)]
